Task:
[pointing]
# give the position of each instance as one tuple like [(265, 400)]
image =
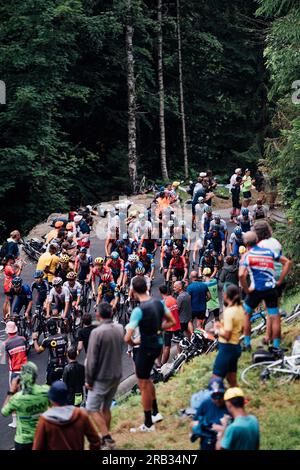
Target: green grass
[(290, 301), (276, 407)]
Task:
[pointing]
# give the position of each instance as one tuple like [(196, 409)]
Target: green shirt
[(242, 434), (28, 409), (247, 184), (213, 303)]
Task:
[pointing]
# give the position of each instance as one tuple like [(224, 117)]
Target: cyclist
[(207, 218), (108, 292), (97, 272), (150, 243), (177, 267), (218, 222), (199, 198), (148, 262), (59, 295), (63, 267), (130, 268), (236, 240), (111, 240), (42, 288), (75, 289), (140, 272), (57, 345), (208, 260), (11, 270), (83, 266), (166, 256), (48, 262), (245, 220), (215, 241), (142, 227), (123, 247), (53, 234), (23, 295), (116, 265), (181, 241)]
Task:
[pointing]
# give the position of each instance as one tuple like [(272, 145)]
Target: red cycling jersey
[(178, 263), (115, 265), (15, 348), (96, 272)]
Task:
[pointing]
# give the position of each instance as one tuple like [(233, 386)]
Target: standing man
[(259, 263), (184, 303), (200, 294), (234, 186), (48, 262), (27, 400), (103, 371), (171, 304), (152, 317)]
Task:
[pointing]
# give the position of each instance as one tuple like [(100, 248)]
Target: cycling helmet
[(115, 255), (238, 231), (38, 274), (200, 199), (176, 252), (52, 326), (207, 271), (58, 224), (17, 281), (143, 251), (245, 211), (242, 249), (105, 277), (207, 253), (132, 258), (83, 249), (69, 226), (57, 281), (64, 258), (169, 243), (208, 209), (99, 260), (71, 276), (140, 270), (216, 228)]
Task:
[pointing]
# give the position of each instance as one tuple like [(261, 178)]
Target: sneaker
[(143, 428), (157, 418), (108, 444), (12, 425)]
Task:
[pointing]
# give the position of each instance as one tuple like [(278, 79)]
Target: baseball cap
[(202, 174), (233, 392), (58, 393), (216, 386), (11, 327)]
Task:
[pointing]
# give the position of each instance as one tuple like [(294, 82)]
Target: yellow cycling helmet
[(207, 271), (242, 250), (64, 258), (99, 260)]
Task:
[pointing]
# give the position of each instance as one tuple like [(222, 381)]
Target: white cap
[(202, 174), (77, 218), (238, 170)]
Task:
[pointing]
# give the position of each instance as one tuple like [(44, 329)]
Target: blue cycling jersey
[(24, 295)]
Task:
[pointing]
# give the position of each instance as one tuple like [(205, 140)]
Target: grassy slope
[(277, 408)]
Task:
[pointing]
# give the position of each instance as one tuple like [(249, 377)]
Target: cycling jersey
[(149, 244), (116, 266), (23, 298), (210, 262), (59, 297), (274, 245), (83, 266), (42, 289), (261, 267), (181, 243), (15, 348), (130, 269), (222, 224), (57, 346), (236, 242), (108, 292), (178, 263), (148, 262), (214, 243), (96, 272), (75, 291), (245, 223), (205, 221), (62, 273)]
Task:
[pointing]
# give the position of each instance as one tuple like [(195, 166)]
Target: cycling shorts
[(227, 359), (144, 362), (270, 297), (168, 335)]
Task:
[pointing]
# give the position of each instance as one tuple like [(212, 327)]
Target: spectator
[(11, 269), (12, 246), (229, 331), (259, 210), (200, 294), (171, 304), (27, 400), (235, 188), (243, 432), (213, 303), (48, 262), (211, 411), (103, 371), (64, 427), (246, 188), (73, 376), (184, 307), (152, 317), (84, 333), (229, 274)]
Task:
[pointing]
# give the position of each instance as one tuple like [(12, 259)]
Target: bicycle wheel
[(255, 373), (178, 363)]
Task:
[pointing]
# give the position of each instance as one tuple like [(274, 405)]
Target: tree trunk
[(132, 155), (163, 158), (182, 111)]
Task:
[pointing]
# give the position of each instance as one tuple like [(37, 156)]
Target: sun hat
[(233, 392), (11, 328)]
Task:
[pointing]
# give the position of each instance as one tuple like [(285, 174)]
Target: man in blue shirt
[(243, 432), (199, 296)]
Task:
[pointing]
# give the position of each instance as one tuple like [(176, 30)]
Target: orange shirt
[(9, 273), (171, 304)]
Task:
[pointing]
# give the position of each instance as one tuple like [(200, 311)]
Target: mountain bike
[(38, 321), (281, 371), (293, 316)]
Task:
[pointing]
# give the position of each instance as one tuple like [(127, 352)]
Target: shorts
[(215, 312), (166, 262), (168, 335), (280, 289), (270, 298), (247, 195), (227, 359), (199, 315), (144, 362), (54, 373), (102, 394), (235, 199), (179, 273)]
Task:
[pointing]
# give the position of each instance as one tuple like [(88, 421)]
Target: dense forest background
[(96, 88)]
